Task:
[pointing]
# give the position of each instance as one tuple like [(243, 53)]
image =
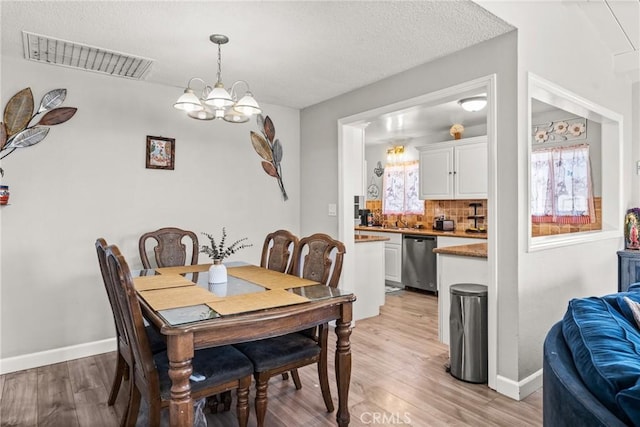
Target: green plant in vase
[(218, 252)]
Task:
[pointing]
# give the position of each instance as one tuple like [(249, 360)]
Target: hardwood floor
[(398, 378)]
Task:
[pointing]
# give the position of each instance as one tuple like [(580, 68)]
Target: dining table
[(253, 304)]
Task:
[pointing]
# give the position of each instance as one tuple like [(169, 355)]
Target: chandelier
[(216, 102)]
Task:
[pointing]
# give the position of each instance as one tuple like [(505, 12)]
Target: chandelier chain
[(219, 64)]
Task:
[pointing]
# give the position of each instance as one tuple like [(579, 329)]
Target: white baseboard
[(521, 389), (57, 355)]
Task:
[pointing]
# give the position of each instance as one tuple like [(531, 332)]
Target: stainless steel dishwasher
[(419, 262)]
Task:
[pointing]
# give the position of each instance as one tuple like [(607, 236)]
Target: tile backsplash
[(458, 210)]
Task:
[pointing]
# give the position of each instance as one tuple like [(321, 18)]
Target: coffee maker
[(364, 217)]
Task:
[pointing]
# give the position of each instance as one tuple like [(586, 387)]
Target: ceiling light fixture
[(216, 102), (395, 154), (475, 103)]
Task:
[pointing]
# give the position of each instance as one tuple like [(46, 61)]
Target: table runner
[(255, 301), (267, 278), (147, 283)]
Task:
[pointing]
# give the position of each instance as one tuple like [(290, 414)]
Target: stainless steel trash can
[(468, 332)]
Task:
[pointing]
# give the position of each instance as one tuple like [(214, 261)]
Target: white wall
[(87, 179), (566, 51), (635, 145), (319, 156)]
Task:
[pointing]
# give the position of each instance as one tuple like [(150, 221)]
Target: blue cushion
[(217, 364), (274, 352), (629, 401), (156, 340), (617, 302), (605, 347)]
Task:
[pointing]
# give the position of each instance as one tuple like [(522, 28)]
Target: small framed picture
[(160, 152)]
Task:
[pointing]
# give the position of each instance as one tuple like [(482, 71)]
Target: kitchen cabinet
[(392, 256), (453, 269), (454, 169), (369, 279)]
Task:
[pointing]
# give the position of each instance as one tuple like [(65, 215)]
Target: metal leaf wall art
[(15, 131), (269, 148)]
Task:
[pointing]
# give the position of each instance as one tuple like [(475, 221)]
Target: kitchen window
[(401, 186), (561, 188)]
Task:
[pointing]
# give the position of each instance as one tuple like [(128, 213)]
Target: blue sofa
[(591, 366)]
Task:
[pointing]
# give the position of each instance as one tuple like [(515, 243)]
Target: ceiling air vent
[(89, 58)]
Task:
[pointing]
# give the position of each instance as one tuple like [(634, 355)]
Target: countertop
[(478, 250), (363, 238), (424, 232)]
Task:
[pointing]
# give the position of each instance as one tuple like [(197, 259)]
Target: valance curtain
[(561, 188), (401, 184)]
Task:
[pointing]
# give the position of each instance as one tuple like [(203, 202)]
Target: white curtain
[(561, 188), (401, 186)]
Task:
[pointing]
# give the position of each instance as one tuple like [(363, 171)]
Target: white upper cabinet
[(454, 169)]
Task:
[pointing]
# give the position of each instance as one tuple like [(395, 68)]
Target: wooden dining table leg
[(343, 364), (180, 352)]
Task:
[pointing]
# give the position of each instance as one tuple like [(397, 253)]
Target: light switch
[(638, 167), (333, 209)]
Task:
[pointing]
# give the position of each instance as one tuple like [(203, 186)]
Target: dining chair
[(124, 360), (223, 368), (276, 255), (169, 250), (277, 250), (319, 258)]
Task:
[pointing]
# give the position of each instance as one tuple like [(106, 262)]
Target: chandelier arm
[(196, 79), (233, 92)]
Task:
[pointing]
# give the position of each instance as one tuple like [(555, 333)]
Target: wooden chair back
[(169, 250), (144, 369), (319, 257), (101, 249), (277, 250)]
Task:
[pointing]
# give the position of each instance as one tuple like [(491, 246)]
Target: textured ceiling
[(293, 53)]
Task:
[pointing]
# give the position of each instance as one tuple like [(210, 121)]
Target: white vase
[(218, 272), (219, 289)]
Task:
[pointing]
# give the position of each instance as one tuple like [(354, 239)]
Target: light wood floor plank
[(92, 409), (56, 406), (398, 378), (19, 404)]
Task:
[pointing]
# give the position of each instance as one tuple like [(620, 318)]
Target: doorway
[(351, 182)]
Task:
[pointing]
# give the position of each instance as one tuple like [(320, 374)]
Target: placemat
[(160, 281), (268, 278), (162, 299), (184, 269), (256, 301)]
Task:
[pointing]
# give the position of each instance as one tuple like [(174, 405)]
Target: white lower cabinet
[(454, 269), (369, 283), (392, 256), (393, 263)]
